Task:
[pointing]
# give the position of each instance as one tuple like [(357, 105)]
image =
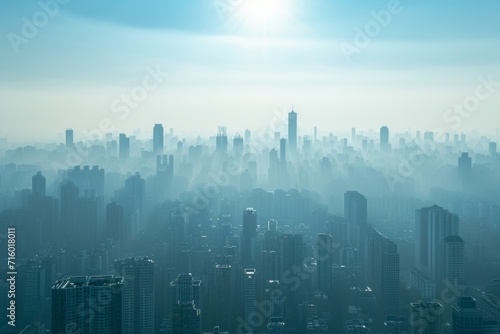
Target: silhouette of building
[(292, 131), (454, 259), (356, 215), (69, 139), (87, 305), (465, 169), (466, 317), (186, 318), (249, 294), (384, 139), (158, 139), (249, 237), (224, 295), (38, 184), (432, 226), (324, 250), (426, 318), (138, 294), (123, 147)]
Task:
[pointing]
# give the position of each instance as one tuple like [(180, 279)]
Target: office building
[(466, 317), (158, 143), (138, 294), (87, 305), (292, 131)]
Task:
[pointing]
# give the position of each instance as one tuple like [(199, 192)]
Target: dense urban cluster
[(276, 231)]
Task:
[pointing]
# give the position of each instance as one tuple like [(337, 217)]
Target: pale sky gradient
[(228, 72)]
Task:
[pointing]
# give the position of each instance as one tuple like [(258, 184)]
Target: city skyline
[(240, 65)]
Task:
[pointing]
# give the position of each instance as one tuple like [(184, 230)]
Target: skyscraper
[(384, 139), (38, 184), (292, 131), (382, 269), (465, 169), (249, 237), (356, 215), (324, 250), (224, 288), (186, 318), (69, 139), (158, 139), (87, 305), (138, 294), (249, 293), (466, 317), (123, 147), (432, 226), (454, 259), (492, 149)]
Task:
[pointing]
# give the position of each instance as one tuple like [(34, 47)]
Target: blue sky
[(235, 70)]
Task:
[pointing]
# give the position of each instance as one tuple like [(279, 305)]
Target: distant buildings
[(158, 139), (292, 131)]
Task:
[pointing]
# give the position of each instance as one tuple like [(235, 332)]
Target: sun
[(263, 15)]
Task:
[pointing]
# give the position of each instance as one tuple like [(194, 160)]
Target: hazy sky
[(231, 62)]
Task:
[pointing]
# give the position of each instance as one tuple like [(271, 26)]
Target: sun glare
[(263, 15)]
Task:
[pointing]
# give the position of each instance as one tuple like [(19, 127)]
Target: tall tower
[(356, 215), (69, 139), (38, 184), (324, 250), (454, 259), (223, 296), (384, 139), (249, 237), (465, 169), (249, 294), (292, 131), (432, 226), (158, 139), (76, 299), (221, 141), (123, 147), (138, 294)]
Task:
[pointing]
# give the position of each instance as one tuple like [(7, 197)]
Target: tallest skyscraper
[(292, 131)]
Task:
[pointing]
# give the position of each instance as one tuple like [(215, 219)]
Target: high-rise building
[(324, 250), (138, 294), (292, 131), (224, 288), (31, 292), (185, 289), (466, 317), (382, 269), (38, 184), (465, 169), (426, 318), (237, 146), (356, 215), (283, 150), (249, 237), (123, 147), (115, 223), (87, 305), (384, 139), (221, 141), (432, 226), (69, 139), (249, 294), (158, 139), (186, 318), (454, 259), (492, 149)]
